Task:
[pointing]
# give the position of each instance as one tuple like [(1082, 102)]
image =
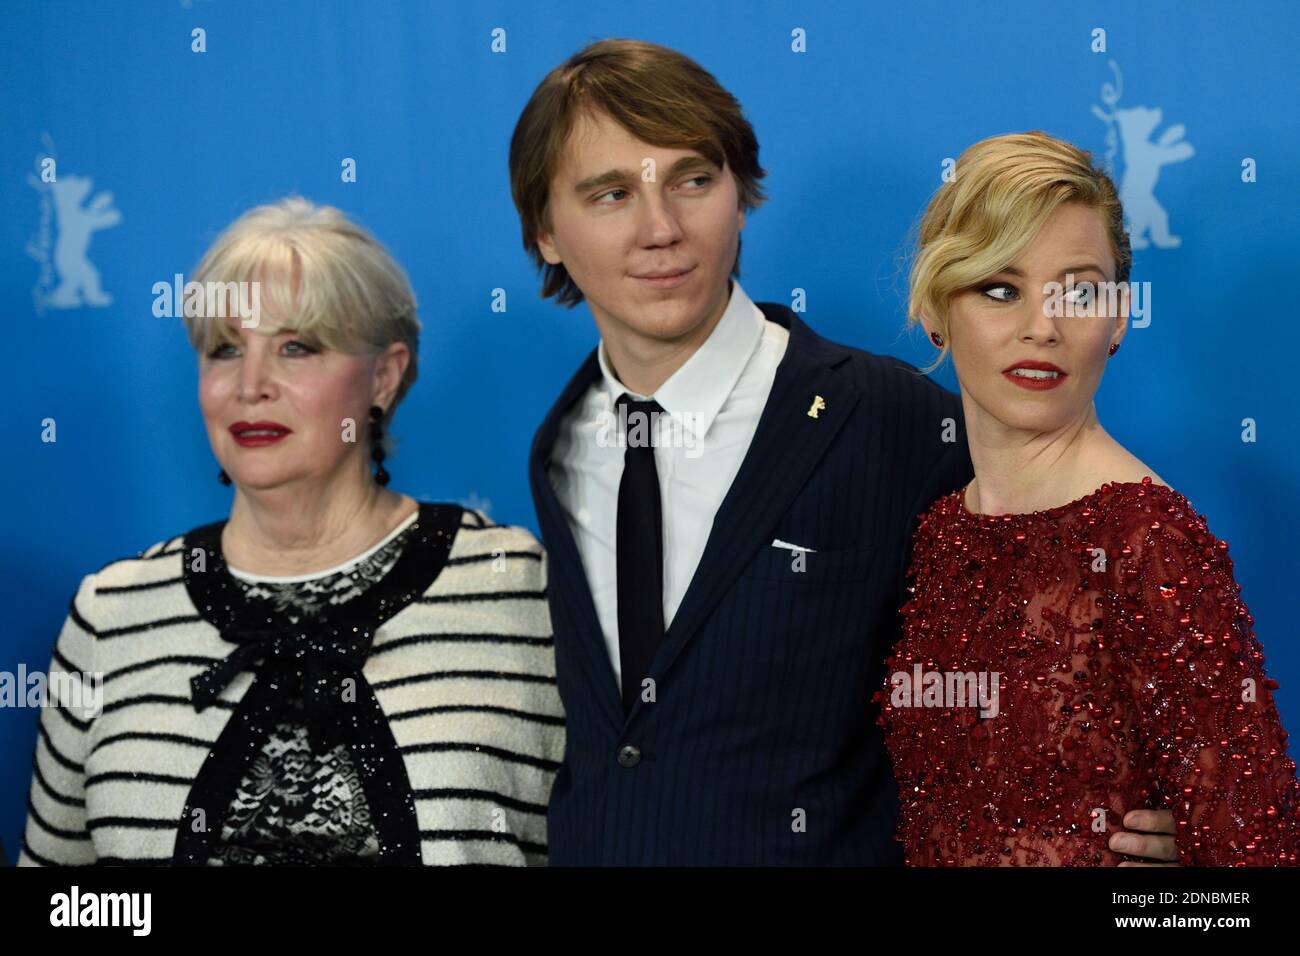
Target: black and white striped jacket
[(453, 709)]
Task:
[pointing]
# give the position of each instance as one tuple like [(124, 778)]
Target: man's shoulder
[(900, 378), (889, 380), (902, 411)]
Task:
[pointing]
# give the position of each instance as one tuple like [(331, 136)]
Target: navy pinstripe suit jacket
[(761, 745)]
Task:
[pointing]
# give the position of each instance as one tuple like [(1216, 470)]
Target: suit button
[(629, 756)]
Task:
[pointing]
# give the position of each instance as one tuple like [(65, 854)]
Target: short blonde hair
[(977, 223), (322, 275)]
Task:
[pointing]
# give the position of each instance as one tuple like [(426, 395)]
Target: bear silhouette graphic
[(78, 278), (1143, 159)]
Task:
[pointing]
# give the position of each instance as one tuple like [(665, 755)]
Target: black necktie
[(640, 545)]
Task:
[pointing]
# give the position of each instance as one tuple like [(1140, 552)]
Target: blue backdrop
[(856, 105)]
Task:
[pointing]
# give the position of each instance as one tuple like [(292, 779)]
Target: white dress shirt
[(712, 405)]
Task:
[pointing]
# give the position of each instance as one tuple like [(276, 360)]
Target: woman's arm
[(56, 833), (1210, 730)]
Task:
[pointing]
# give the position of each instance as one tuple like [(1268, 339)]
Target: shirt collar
[(698, 389)]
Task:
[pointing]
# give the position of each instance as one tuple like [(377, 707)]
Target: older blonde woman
[(336, 673), (1076, 645)]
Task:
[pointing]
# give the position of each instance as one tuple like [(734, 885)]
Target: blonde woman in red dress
[(1075, 644)]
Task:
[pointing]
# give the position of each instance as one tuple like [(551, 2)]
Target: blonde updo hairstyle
[(977, 223)]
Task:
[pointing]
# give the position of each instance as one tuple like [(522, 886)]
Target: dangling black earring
[(223, 477), (376, 443)]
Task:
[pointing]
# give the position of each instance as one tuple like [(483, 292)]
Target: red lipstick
[(1040, 377), (258, 434)]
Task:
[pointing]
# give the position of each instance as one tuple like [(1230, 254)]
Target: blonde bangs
[(318, 275), (279, 266)]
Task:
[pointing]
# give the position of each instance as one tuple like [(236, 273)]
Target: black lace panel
[(296, 805), (295, 778)]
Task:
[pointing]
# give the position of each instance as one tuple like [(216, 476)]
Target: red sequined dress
[(1127, 677)]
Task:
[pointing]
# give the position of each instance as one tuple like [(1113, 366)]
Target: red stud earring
[(1114, 348), (937, 339)]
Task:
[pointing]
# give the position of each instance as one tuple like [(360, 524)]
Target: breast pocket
[(810, 567)]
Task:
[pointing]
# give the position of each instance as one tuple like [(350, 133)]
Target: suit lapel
[(786, 448), (588, 645)]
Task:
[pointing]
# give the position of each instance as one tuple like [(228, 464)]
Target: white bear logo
[(75, 223), (1131, 129)]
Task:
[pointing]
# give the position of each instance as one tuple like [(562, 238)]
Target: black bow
[(312, 665)]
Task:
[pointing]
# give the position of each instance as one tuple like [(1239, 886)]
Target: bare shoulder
[(1120, 466)]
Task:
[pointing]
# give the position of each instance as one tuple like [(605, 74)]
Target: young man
[(727, 499)]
